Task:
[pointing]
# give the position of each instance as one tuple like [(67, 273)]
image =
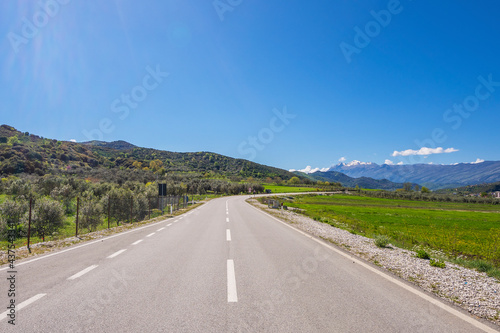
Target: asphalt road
[(223, 267)]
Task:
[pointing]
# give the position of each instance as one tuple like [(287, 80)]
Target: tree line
[(53, 200)]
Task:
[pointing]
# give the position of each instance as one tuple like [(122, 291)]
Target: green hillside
[(27, 153)]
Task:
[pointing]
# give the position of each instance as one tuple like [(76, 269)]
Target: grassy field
[(289, 189), (458, 229)]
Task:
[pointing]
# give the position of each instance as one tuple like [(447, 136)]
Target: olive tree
[(11, 213), (48, 217), (91, 214)]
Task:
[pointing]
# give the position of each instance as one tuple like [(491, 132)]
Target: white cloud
[(389, 162), (342, 159), (424, 151), (400, 163), (72, 140), (477, 161), (309, 169)]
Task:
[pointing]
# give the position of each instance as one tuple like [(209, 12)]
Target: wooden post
[(29, 226), (131, 207), (109, 208), (77, 211)]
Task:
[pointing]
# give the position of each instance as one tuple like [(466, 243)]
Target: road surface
[(223, 267)]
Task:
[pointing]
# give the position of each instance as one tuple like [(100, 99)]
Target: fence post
[(131, 207), (109, 207), (29, 226), (77, 211)]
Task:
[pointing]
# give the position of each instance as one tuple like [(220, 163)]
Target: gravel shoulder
[(471, 290)]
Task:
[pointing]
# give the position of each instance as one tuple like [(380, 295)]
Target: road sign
[(162, 190)]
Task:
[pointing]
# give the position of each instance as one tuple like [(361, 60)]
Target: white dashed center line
[(22, 305), (232, 295), (151, 234), (137, 242), (117, 253), (160, 229), (227, 219), (168, 225), (228, 235), (85, 271)]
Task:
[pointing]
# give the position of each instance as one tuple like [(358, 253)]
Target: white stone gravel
[(474, 291)]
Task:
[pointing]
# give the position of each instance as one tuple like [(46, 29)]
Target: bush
[(382, 241), (422, 254), (437, 263)]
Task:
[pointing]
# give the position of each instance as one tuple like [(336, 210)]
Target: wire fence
[(91, 214)]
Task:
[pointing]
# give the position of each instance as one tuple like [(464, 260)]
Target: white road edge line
[(22, 305), (86, 244), (117, 253), (151, 234), (232, 295), (411, 289), (137, 242), (80, 273), (228, 235)]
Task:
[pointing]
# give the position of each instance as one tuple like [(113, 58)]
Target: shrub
[(422, 254), (437, 263), (382, 241)]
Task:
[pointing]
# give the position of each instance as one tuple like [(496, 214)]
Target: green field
[(458, 229), (290, 189)]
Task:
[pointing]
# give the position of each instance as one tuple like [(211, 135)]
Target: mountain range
[(433, 176)]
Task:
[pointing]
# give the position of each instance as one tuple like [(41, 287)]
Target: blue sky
[(284, 83)]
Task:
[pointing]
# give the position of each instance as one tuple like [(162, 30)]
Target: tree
[(294, 180), (10, 218), (91, 214), (417, 188), (407, 187), (48, 217), (137, 165), (155, 165), (425, 190)]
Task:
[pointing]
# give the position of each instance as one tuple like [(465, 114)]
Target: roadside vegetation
[(55, 199), (464, 233)]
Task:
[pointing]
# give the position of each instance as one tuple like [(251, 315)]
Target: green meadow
[(463, 230), (290, 189)]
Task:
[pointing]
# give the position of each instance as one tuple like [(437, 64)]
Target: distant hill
[(24, 152), (479, 188), (363, 182), (118, 145), (433, 176)]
